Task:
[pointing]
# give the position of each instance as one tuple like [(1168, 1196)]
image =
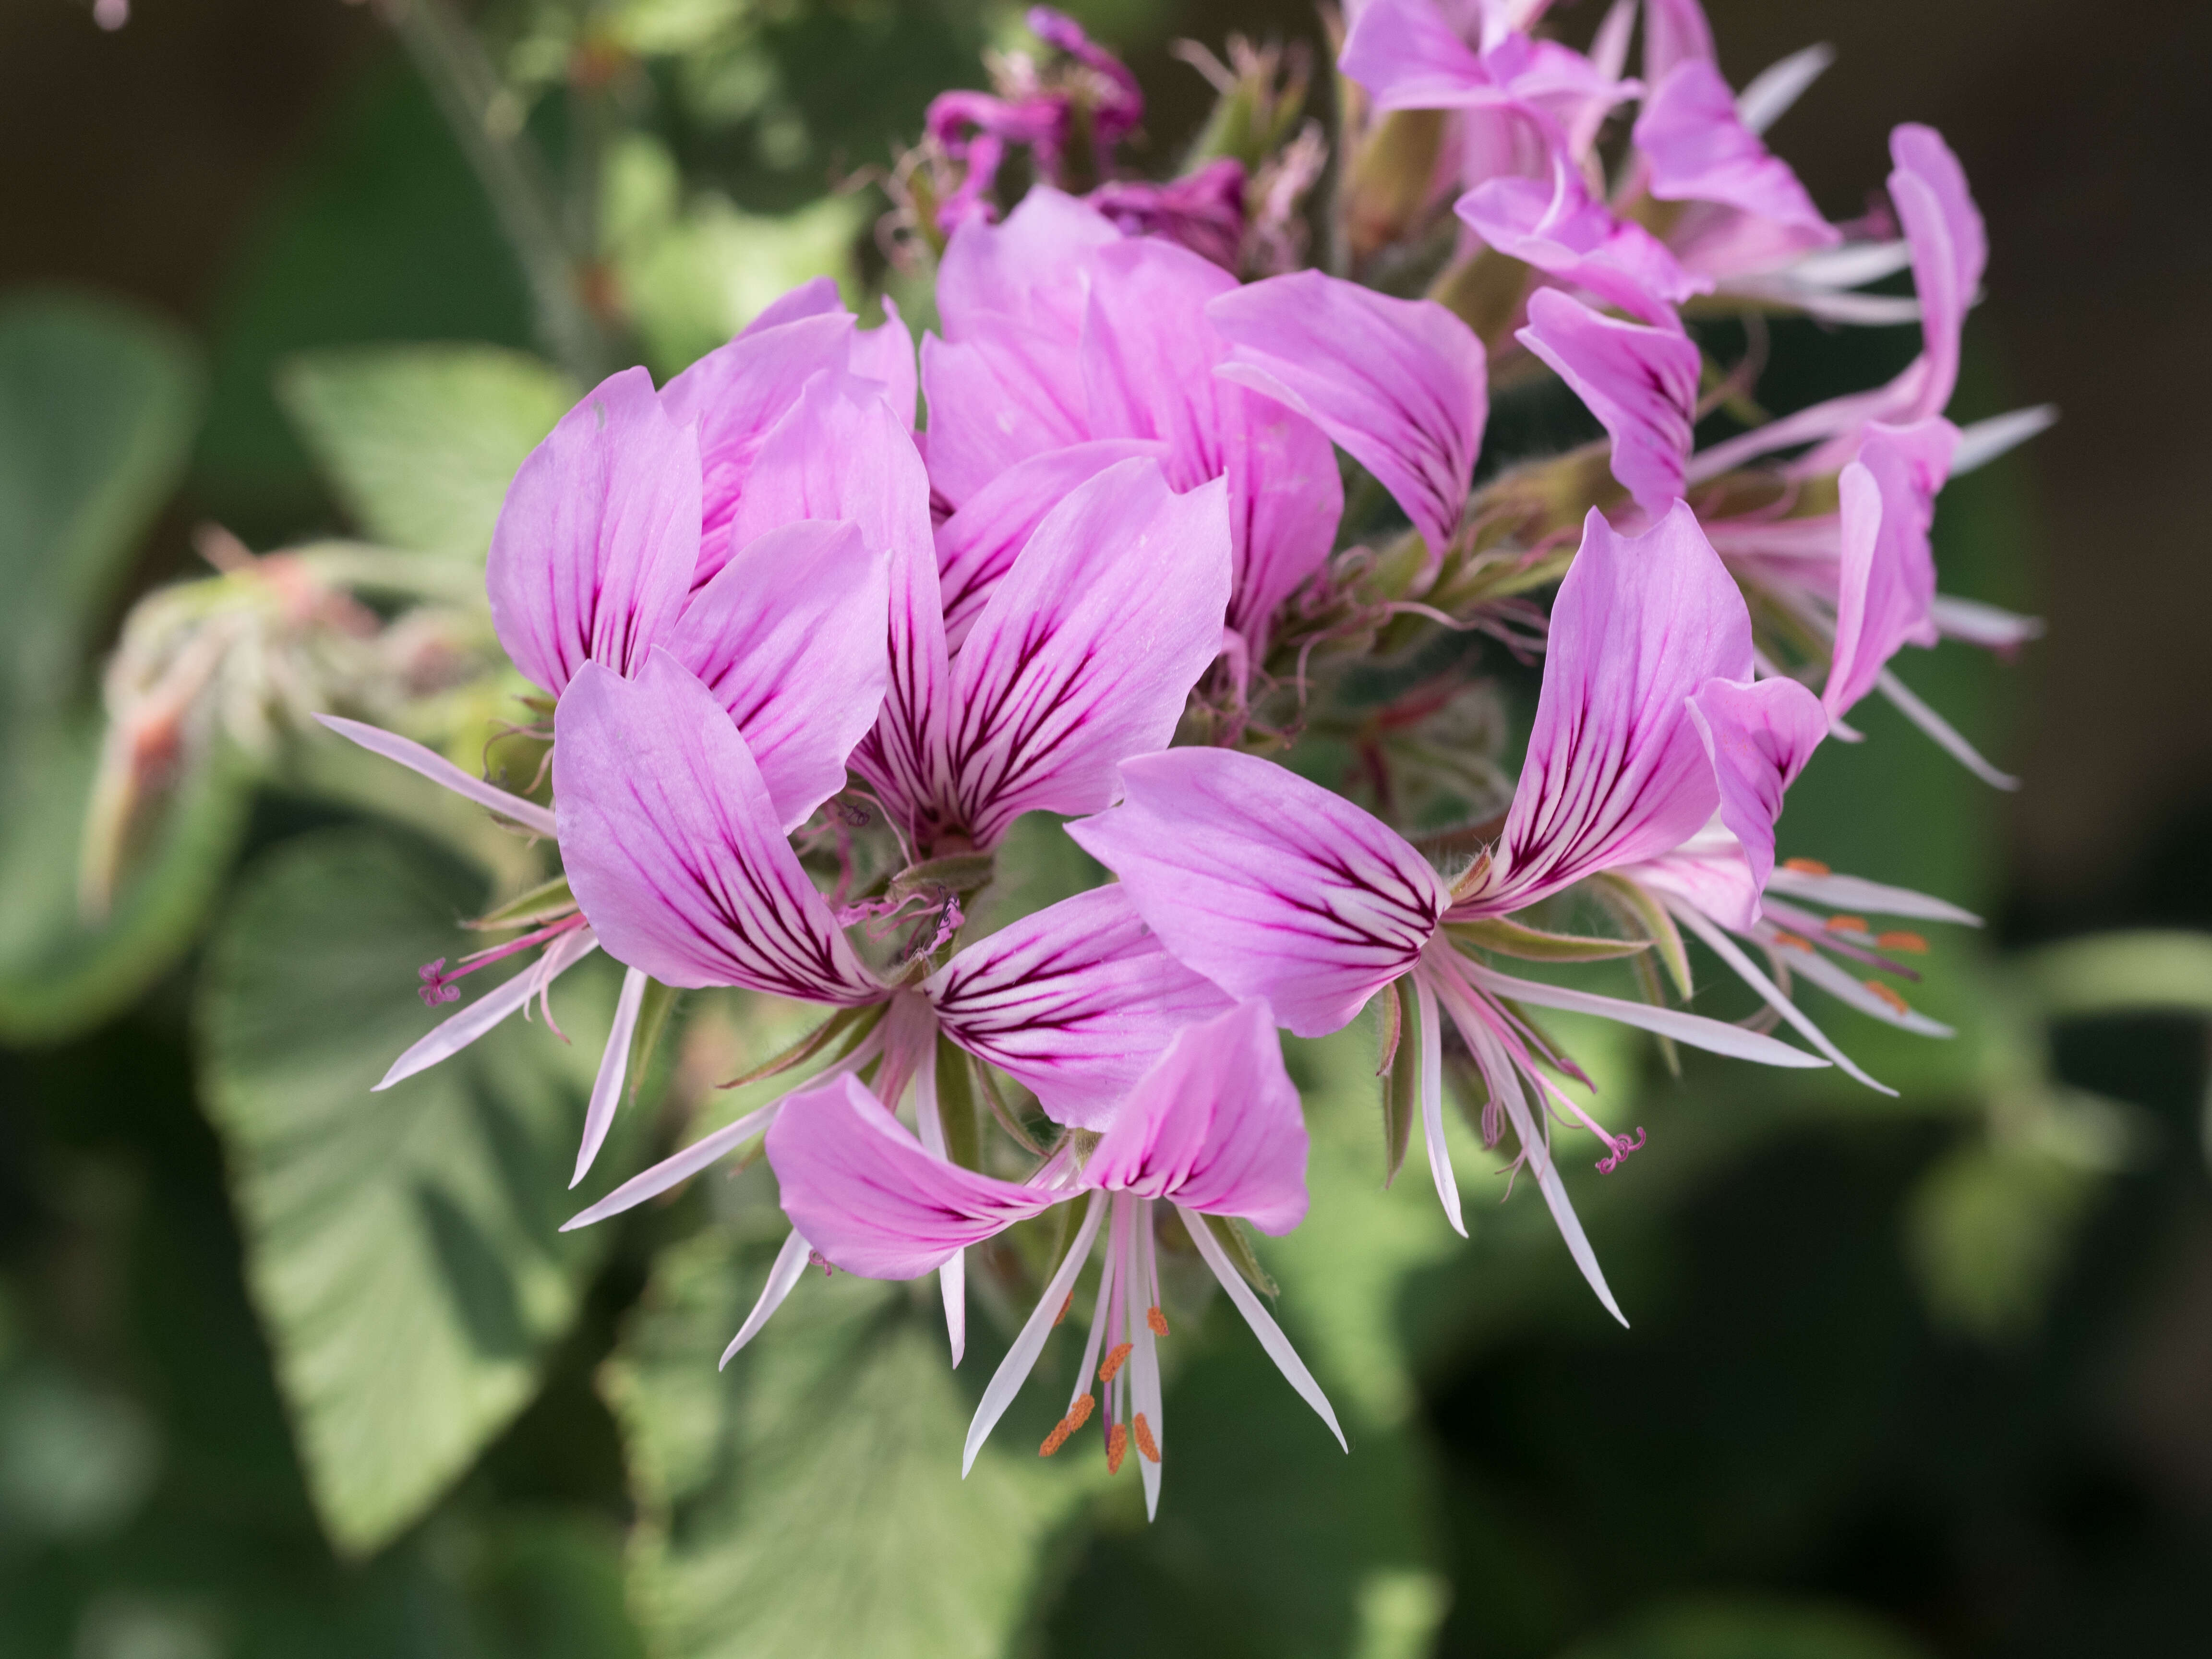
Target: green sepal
[(1401, 1077), (987, 1087), (544, 902), (1511, 938), (1628, 901), (956, 872), (958, 1109), (851, 1024), (1236, 1238), (652, 1012)]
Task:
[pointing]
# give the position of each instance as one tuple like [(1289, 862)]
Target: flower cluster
[(1117, 576)]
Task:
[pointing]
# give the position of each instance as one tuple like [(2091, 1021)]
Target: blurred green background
[(286, 1368)]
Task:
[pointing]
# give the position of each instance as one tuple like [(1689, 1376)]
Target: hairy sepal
[(1511, 938), (845, 1027)]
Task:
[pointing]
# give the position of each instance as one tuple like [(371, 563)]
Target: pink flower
[(1203, 211), (1648, 727), (1558, 227), (1213, 1129), (1640, 382), (1058, 333)]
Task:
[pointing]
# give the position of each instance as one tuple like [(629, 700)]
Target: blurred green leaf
[(2143, 972), (1990, 1227), (98, 405), (808, 1501), (1752, 1627), (402, 1248), (419, 442)]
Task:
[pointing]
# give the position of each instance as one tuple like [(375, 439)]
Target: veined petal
[(673, 848), (1087, 651), (1075, 1001), (457, 1030), (1214, 1126), (735, 395), (791, 638), (1278, 1346), (904, 757), (1758, 738), (978, 544), (1146, 340), (1286, 498), (440, 770), (1640, 382), (839, 453), (1407, 56), (590, 559), (870, 1198), (1401, 384), (1615, 771), (1268, 885), (1716, 1036), (1886, 577), (998, 399)]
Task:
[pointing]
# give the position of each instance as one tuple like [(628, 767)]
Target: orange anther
[(1847, 925), (1113, 1362), (1157, 1320), (1057, 1438), (1080, 1412), (1911, 944), (1807, 866), (1794, 941), (1060, 1318), (1145, 1443), (1895, 1001), (1117, 1448)]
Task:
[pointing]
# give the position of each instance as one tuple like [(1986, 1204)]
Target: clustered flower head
[(807, 664)]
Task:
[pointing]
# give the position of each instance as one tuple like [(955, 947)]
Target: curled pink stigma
[(1622, 1146), (438, 985)]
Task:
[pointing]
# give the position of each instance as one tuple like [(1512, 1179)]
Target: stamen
[(1782, 936), (1060, 1318), (1117, 1448), (437, 985), (1080, 1412), (1896, 1002), (1145, 1443), (1113, 1361), (1622, 1146), (1807, 866), (1157, 1320), (1911, 944), (1056, 1439), (1840, 924)]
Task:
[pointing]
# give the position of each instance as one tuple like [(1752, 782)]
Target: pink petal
[(1087, 650), (839, 453), (672, 846), (790, 637), (977, 544), (1698, 149), (1675, 32), (1214, 1126), (1407, 56), (865, 1194), (1268, 884), (1886, 578), (1285, 497), (1615, 771), (885, 355), (1950, 250), (1556, 226), (1032, 268), (903, 759), (998, 400), (1075, 1001), (590, 557), (736, 394), (1758, 738), (1147, 346), (816, 297), (1399, 384), (1641, 383)]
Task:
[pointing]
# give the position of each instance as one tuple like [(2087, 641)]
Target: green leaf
[(420, 442), (97, 409), (1989, 1229), (1750, 1627), (403, 1248), (2141, 972), (808, 1501)]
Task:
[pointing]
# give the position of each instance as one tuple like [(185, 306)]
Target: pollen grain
[(1156, 1321), (1807, 866), (1117, 1448), (1848, 924), (1897, 1003), (1113, 1363), (1911, 944), (1145, 1443)]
